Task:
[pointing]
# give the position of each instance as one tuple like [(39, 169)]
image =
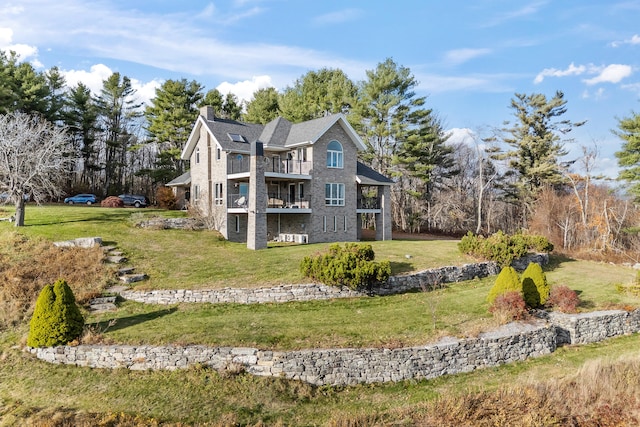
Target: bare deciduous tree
[(33, 159)]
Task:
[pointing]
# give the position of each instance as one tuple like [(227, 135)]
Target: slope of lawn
[(33, 392)]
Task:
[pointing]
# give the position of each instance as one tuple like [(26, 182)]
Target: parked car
[(134, 200), (88, 199)]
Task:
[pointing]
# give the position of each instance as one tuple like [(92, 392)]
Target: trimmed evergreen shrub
[(501, 247), (56, 319), (506, 281), (534, 285), (351, 266)]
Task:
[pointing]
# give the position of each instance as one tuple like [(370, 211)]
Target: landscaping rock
[(132, 278), (81, 242)]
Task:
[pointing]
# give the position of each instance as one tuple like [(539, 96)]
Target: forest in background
[(514, 178)]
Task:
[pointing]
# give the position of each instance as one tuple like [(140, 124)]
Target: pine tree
[(629, 155), (263, 107), (56, 319)]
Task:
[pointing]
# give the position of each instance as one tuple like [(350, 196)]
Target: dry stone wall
[(325, 366), (426, 280)]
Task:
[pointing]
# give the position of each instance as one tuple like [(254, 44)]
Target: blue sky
[(470, 57)]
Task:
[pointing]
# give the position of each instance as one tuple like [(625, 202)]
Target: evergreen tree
[(118, 111), (232, 108), (56, 319), (263, 107), (536, 144), (629, 155), (317, 94), (214, 99), (81, 118), (170, 119)]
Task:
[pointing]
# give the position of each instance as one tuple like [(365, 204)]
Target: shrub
[(166, 199), (351, 266), (534, 285), (501, 247), (563, 299), (506, 281), (56, 319), (112, 202), (509, 306)]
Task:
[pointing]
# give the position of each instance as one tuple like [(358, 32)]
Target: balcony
[(272, 165), (368, 204), (239, 203)]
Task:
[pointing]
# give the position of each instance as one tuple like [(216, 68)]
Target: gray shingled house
[(282, 181)]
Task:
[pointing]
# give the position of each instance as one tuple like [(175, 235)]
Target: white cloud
[(635, 39), (337, 17), (244, 90), (572, 70), (461, 135), (92, 79), (24, 51), (458, 56), (98, 73), (613, 73)]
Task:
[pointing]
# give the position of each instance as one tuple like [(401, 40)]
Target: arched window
[(334, 155)]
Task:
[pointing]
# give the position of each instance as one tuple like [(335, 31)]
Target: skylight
[(236, 137)]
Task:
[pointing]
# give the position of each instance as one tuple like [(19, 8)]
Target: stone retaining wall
[(591, 327), (512, 342), (426, 279), (328, 366)]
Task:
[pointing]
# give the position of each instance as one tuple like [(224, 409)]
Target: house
[(282, 181)]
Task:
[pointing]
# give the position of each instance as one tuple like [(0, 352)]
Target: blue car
[(88, 199)]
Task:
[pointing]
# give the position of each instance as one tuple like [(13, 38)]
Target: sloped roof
[(279, 133), (367, 176), (184, 179)]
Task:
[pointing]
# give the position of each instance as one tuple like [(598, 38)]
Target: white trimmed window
[(335, 224), (324, 223), (345, 223), (335, 158), (196, 192), (334, 194), (197, 155), (218, 194)]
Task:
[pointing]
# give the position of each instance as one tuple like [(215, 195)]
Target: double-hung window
[(335, 158), (334, 194), (218, 194)]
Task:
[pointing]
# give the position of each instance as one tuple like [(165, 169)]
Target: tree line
[(510, 178)]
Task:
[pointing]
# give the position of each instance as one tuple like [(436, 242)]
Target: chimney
[(208, 112)]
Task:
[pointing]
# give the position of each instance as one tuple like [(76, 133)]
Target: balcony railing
[(241, 201), (369, 203), (240, 164)]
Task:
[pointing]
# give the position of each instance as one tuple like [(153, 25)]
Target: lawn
[(197, 259)]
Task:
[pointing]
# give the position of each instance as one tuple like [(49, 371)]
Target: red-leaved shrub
[(112, 202), (564, 299), (509, 306)]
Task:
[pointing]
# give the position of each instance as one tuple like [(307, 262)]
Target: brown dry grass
[(27, 265)]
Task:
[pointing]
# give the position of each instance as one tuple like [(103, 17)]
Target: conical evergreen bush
[(506, 281), (56, 319), (534, 285)]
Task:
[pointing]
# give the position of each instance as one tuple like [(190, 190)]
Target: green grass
[(180, 259), (200, 395), (188, 259)]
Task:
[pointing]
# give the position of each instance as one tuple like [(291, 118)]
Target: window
[(334, 194), (345, 223), (218, 194), (324, 223), (334, 155), (196, 192), (236, 137), (237, 223), (218, 153), (335, 224), (302, 154), (197, 155), (300, 191)]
